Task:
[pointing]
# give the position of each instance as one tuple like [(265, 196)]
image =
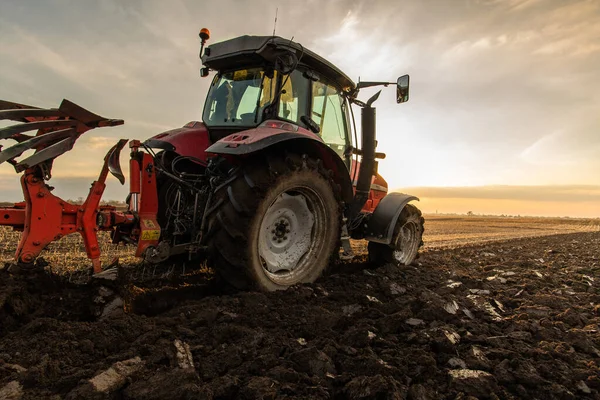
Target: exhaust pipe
[(367, 162)]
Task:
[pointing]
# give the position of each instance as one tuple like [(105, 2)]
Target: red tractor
[(268, 188)]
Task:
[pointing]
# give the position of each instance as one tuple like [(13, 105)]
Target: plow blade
[(47, 126), (46, 154), (35, 143), (57, 129)]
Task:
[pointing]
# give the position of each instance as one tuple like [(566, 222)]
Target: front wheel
[(408, 238), (278, 224)]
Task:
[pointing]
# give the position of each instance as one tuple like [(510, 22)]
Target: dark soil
[(516, 319)]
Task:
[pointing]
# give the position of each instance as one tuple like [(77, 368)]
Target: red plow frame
[(43, 217)]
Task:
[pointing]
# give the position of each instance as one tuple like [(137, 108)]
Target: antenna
[(275, 24)]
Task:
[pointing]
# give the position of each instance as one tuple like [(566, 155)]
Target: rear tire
[(407, 240), (277, 224)]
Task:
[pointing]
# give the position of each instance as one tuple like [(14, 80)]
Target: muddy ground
[(513, 319)]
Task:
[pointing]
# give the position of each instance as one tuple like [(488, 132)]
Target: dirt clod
[(375, 388), (109, 380), (11, 391), (474, 382), (183, 355)]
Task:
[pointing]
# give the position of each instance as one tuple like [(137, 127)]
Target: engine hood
[(192, 139)]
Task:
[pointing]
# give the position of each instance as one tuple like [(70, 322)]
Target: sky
[(504, 111)]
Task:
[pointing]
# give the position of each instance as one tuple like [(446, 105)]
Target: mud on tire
[(410, 224), (277, 223)]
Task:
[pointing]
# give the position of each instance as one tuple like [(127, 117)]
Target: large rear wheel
[(408, 238), (278, 224)]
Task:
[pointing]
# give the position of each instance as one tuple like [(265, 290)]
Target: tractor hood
[(190, 140)]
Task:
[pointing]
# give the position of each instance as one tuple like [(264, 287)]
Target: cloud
[(553, 200), (571, 193), (537, 152), (82, 71)]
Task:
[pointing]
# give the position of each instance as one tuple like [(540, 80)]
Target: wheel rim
[(287, 247), (408, 243)]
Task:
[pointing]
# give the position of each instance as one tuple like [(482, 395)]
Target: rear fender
[(380, 227), (292, 141)]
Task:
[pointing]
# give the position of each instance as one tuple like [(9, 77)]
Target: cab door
[(328, 111)]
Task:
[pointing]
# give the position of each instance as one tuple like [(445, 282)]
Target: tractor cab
[(264, 78)]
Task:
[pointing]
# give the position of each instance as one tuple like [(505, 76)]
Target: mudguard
[(234, 145), (380, 227)]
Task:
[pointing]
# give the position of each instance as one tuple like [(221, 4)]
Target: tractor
[(268, 189)]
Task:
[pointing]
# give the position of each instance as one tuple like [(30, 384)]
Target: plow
[(269, 188), (43, 217)]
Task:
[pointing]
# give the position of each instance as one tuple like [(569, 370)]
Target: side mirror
[(204, 72), (402, 89)]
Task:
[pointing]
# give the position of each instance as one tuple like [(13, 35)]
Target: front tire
[(278, 224), (407, 240)]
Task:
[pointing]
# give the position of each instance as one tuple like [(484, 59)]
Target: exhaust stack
[(367, 162)]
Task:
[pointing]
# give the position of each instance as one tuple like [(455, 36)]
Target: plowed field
[(512, 311)]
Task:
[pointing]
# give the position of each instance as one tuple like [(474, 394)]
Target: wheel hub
[(280, 230), (408, 243), (285, 233)]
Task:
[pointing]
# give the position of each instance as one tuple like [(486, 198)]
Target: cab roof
[(246, 50)]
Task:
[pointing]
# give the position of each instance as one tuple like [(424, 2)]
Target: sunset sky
[(504, 114)]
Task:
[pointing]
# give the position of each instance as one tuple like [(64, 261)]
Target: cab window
[(294, 97), (328, 111), (238, 97)]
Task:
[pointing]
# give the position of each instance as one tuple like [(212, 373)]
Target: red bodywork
[(190, 140), (264, 131), (379, 188), (193, 140), (144, 198)]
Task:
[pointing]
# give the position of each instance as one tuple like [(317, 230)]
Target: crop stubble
[(68, 254)]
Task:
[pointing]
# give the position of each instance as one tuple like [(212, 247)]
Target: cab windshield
[(238, 98)]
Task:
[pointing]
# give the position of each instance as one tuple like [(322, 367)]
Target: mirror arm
[(361, 85), (356, 151)]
